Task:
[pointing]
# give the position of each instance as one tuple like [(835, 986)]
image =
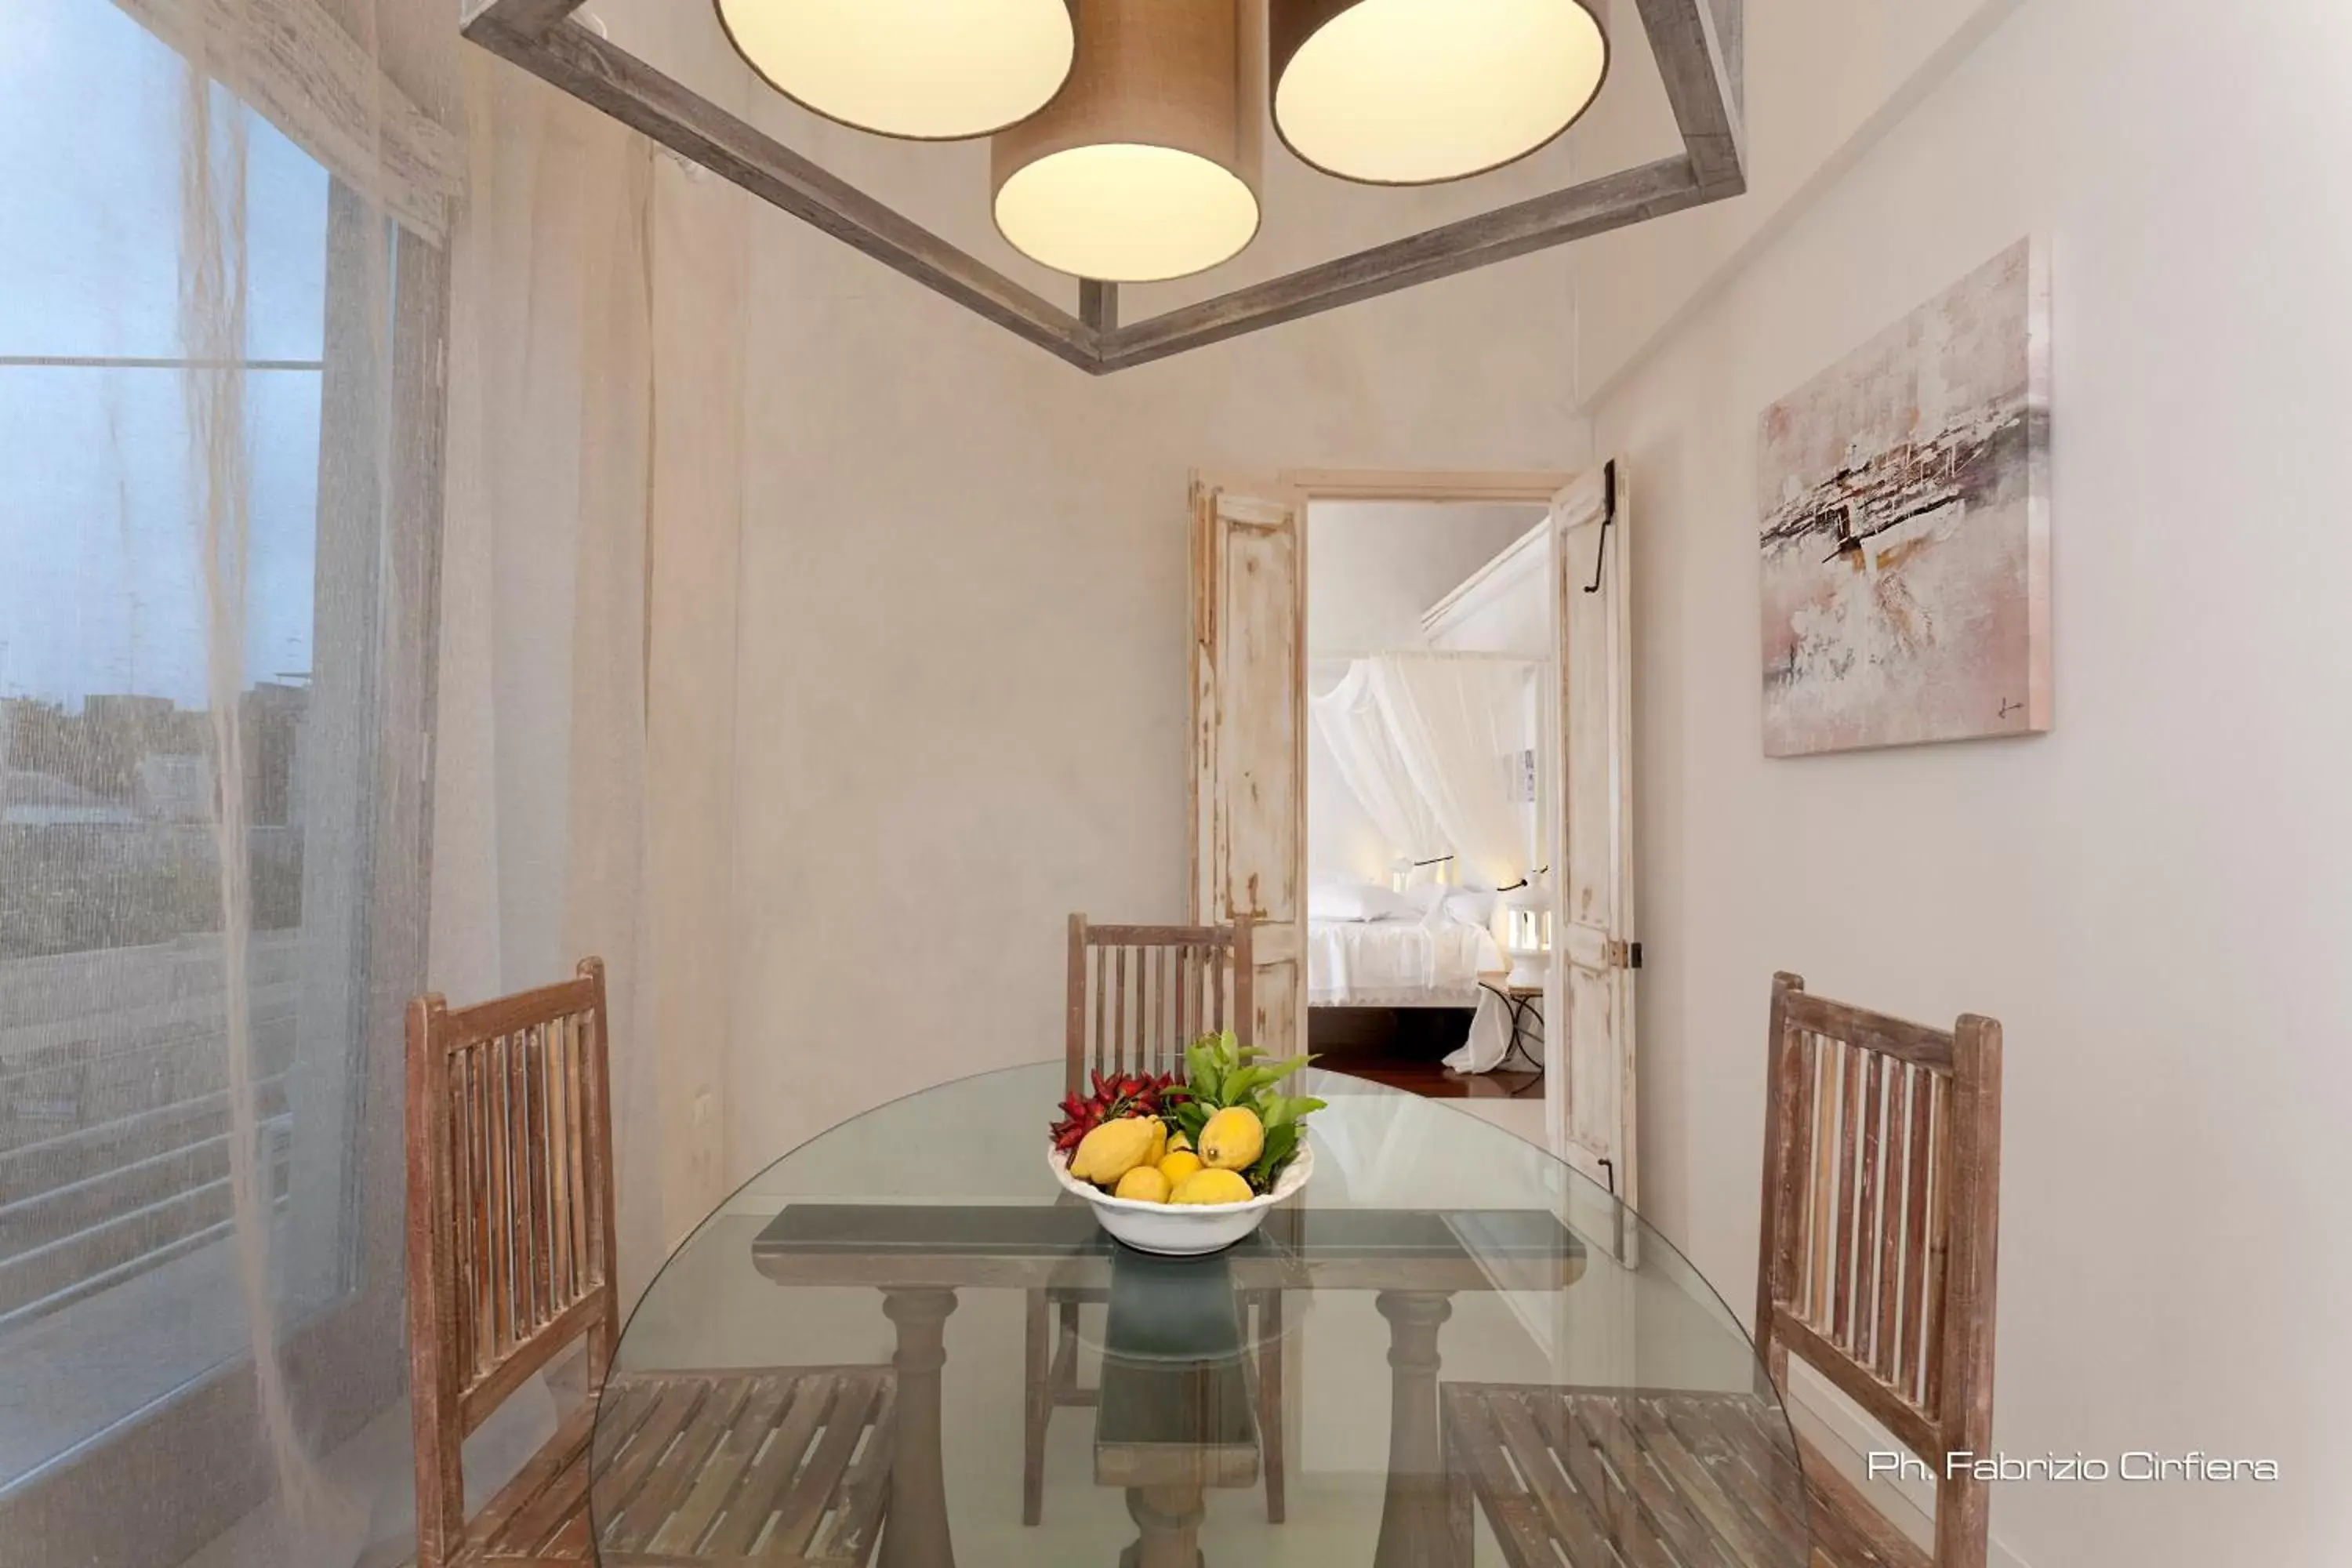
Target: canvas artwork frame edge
[(2039, 698)]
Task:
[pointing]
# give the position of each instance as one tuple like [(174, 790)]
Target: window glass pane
[(90, 115), (118, 1262), (103, 587)]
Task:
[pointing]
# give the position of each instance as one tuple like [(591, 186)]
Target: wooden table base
[(1414, 1531), (1167, 1525), (915, 1533), (918, 1256)]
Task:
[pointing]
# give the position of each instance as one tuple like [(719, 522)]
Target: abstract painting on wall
[(1904, 496)]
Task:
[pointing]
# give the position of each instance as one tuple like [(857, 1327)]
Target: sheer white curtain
[(1354, 728), (587, 681), (593, 494), (372, 420), (1460, 725)]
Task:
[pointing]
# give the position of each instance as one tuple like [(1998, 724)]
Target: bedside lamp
[(1526, 932)]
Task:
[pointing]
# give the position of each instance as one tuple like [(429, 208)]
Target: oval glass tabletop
[(1448, 1349)]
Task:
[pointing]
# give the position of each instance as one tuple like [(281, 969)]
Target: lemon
[(1112, 1149), (1213, 1186), (1144, 1185), (1177, 1143), (1159, 1142), (1233, 1140), (1179, 1166)]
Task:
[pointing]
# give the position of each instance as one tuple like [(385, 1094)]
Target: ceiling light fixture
[(912, 68), (1147, 167), (1410, 92), (1142, 168)]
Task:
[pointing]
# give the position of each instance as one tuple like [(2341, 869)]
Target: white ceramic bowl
[(1182, 1230)]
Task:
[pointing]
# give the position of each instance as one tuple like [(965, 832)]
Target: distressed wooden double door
[(1249, 777)]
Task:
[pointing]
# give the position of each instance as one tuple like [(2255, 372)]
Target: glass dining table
[(1448, 1349)]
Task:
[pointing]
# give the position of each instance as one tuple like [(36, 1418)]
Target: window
[(120, 1291)]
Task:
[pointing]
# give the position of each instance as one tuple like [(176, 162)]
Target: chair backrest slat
[(510, 1217), (1881, 1226), (1150, 991)]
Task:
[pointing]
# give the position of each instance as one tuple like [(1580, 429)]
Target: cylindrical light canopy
[(1141, 170), (932, 70), (1410, 92)]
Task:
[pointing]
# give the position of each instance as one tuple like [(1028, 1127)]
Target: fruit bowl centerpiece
[(1191, 1166)]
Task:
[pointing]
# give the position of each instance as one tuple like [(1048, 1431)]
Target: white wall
[(1374, 568), (2151, 898), (1508, 609), (1818, 72)]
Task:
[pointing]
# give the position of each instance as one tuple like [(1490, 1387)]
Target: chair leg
[(1461, 1504), (1037, 1408), (1269, 1401), (1065, 1356)]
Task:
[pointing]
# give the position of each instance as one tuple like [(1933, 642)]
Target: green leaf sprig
[(1221, 1072)]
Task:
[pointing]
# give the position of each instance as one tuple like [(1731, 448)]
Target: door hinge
[(1624, 955)]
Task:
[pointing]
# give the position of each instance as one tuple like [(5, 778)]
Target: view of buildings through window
[(114, 1128)]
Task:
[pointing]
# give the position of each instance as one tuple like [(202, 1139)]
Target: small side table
[(1525, 1052)]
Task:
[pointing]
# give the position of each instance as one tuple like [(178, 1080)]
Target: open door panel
[(1592, 1094), (1248, 735)]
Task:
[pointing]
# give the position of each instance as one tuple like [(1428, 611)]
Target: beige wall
[(923, 692), (2151, 897), (964, 633)]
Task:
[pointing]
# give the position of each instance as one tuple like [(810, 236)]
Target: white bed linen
[(1399, 963), (1412, 963), (1489, 1041)]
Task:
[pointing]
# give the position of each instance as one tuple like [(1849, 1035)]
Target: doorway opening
[(1429, 795), (1567, 907)]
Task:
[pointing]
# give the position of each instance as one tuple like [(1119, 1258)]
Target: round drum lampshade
[(1141, 169), (1410, 92), (932, 70)]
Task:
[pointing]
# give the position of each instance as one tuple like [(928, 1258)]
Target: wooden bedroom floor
[(1405, 1048), (1434, 1080)]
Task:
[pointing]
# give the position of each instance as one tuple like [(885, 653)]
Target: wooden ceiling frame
[(1698, 44)]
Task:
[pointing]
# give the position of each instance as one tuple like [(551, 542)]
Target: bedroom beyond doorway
[(1429, 796)]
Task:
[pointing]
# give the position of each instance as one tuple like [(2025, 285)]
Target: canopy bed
[(1435, 752)]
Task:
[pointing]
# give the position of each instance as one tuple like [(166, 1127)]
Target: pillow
[(1457, 907), (1339, 900), (1471, 908), (1428, 896)]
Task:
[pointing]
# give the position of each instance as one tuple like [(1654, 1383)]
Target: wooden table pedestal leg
[(917, 1535), (1167, 1525), (1413, 1532)]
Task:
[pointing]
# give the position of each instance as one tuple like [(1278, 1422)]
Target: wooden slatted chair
[(1881, 1178), (510, 1264), (1138, 997)]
